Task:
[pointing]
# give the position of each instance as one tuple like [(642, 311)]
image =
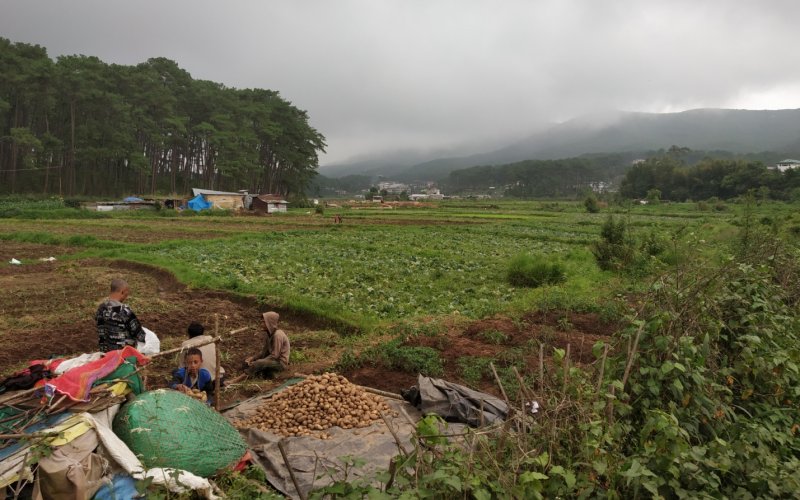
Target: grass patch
[(533, 271), (411, 359)]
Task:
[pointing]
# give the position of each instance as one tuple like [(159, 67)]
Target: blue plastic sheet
[(122, 487), (199, 203)]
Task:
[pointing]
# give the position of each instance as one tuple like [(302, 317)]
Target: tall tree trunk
[(154, 170), (49, 157), (71, 164)]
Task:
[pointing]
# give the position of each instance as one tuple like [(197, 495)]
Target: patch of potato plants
[(315, 405)]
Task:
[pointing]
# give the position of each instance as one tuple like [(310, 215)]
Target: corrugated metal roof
[(271, 198), (196, 191)]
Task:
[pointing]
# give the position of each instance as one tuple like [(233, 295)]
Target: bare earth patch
[(47, 310)]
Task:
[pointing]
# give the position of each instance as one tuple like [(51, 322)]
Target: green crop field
[(380, 265)]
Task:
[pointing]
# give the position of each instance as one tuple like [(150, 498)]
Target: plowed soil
[(47, 310)]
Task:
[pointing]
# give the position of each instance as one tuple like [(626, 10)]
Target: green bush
[(616, 249), (591, 204), (533, 271), (413, 359)]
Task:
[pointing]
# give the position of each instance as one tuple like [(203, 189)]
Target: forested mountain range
[(735, 131), (80, 126)]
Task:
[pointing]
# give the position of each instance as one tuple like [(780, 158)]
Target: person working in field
[(192, 379), (117, 325), (274, 357), (196, 336)]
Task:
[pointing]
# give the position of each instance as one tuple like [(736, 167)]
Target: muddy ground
[(47, 309)]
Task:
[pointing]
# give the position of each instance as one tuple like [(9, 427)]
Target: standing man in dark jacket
[(117, 326)]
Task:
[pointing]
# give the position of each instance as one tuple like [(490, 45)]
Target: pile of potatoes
[(317, 404)]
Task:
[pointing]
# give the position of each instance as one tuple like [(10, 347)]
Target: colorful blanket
[(77, 382)]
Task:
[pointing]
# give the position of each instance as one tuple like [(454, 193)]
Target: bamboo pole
[(499, 384), (215, 339), (291, 472), (216, 377)]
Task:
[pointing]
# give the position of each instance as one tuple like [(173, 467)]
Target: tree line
[(567, 177), (79, 126), (710, 177)]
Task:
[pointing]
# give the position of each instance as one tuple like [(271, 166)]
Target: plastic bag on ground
[(151, 344)]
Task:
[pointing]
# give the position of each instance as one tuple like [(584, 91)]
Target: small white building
[(787, 164), (269, 203)]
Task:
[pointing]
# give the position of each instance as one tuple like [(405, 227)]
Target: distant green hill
[(736, 131)]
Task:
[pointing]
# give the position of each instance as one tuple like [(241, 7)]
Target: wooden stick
[(566, 369), (179, 349), (217, 393), (54, 405), (602, 369), (29, 436), (18, 394), (379, 392), (541, 367), (408, 418), (631, 356), (215, 339), (523, 389), (394, 435), (291, 472), (499, 384)]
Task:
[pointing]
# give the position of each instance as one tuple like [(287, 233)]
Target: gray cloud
[(391, 75)]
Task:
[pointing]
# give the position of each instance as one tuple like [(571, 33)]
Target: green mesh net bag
[(166, 428)]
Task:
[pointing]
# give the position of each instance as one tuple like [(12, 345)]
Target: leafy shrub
[(654, 244), (591, 204), (616, 249), (534, 271), (349, 361)]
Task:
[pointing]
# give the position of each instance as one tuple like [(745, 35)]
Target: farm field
[(433, 276), (667, 347)]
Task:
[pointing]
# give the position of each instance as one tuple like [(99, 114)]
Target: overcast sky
[(380, 75)]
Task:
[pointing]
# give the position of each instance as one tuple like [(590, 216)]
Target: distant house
[(787, 164), (222, 199), (392, 187), (269, 204)]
